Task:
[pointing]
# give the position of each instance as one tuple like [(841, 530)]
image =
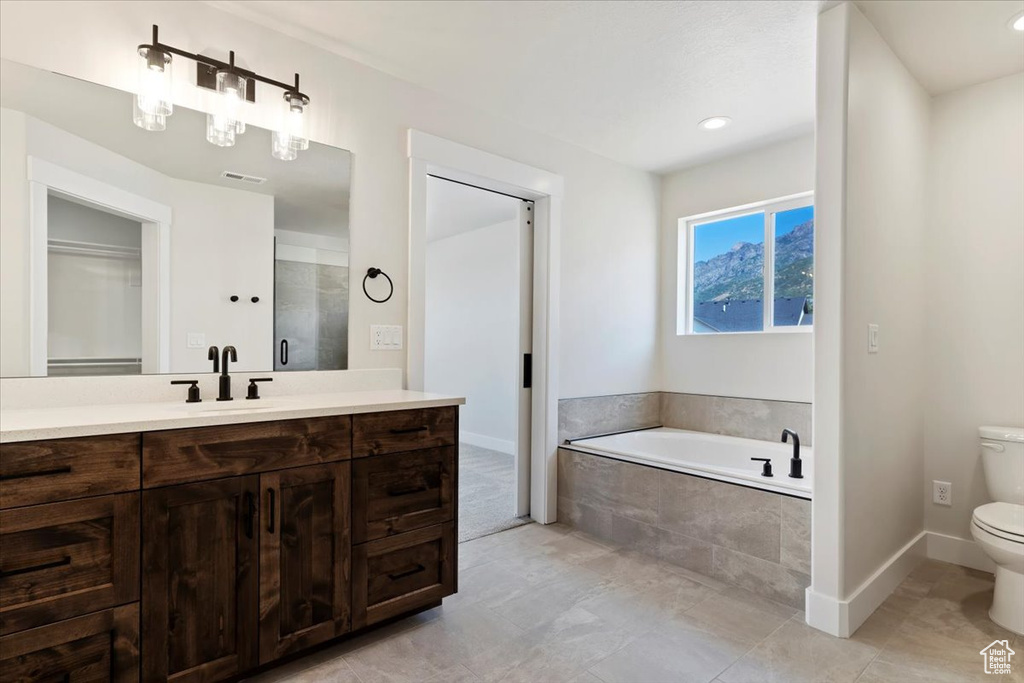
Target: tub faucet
[(795, 464), (231, 354)]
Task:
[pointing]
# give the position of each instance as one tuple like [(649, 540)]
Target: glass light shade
[(220, 130), (223, 125), (153, 100), (281, 147), (291, 138)]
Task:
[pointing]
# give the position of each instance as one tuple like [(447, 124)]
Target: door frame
[(432, 155), (46, 178)]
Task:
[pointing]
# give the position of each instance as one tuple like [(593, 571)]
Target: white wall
[(775, 366), (472, 330), (14, 245), (218, 238), (609, 241), (881, 446), (975, 294)]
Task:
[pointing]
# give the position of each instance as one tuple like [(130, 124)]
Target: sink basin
[(236, 406)]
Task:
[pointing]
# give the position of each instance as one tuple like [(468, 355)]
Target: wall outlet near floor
[(385, 337), (942, 493)]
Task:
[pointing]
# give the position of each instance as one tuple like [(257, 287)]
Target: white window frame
[(684, 251)]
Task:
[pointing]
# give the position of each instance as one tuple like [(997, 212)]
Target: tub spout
[(795, 464)]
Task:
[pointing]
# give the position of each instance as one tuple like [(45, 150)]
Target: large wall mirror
[(125, 251)]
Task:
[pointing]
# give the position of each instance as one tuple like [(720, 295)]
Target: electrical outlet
[(942, 493), (385, 337), (196, 340)]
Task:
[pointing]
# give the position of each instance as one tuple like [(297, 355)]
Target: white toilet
[(999, 527)]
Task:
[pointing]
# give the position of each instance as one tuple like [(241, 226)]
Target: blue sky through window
[(712, 239), (785, 221)]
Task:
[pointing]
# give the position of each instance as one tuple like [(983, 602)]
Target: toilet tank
[(1002, 456)]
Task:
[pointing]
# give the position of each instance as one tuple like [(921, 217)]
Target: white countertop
[(60, 423)]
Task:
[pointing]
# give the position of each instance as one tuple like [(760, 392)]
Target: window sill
[(757, 333)]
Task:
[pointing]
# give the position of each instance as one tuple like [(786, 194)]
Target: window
[(748, 269)]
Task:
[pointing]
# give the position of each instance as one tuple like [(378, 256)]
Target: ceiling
[(453, 209), (950, 44), (627, 80), (311, 193)]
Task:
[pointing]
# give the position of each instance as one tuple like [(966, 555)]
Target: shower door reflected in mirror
[(126, 251)]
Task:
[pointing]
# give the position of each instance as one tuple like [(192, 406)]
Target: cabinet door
[(99, 647), (199, 585), (305, 586)]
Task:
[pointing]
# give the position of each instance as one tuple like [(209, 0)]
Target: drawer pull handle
[(41, 473), (38, 568), (408, 572), (411, 430), (270, 522), (395, 493)]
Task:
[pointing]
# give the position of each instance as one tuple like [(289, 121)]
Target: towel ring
[(372, 274)]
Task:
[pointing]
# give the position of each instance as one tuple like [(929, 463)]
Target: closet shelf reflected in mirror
[(130, 243)]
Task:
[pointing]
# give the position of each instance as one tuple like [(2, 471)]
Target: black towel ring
[(372, 273)]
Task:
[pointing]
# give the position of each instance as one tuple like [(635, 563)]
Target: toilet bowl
[(998, 527)]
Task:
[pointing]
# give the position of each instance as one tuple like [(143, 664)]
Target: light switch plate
[(872, 338), (385, 337), (196, 340)]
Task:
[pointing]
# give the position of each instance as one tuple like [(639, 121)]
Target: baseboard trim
[(842, 618), (962, 551), (489, 442)]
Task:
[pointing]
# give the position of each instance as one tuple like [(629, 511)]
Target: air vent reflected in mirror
[(243, 178)]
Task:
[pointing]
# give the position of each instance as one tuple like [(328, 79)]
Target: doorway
[(477, 343)]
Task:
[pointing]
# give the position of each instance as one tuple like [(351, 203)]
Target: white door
[(525, 408)]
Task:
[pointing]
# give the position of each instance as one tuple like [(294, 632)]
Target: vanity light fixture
[(233, 85), (715, 122)]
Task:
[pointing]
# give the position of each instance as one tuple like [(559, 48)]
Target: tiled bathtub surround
[(593, 415), (750, 418), (747, 537)]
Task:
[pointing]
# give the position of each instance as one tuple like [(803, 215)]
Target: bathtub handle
[(997, 447), (766, 471)]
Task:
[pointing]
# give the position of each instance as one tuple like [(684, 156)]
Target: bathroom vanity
[(198, 553)]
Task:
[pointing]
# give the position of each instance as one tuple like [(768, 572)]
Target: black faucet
[(231, 354), (213, 353), (795, 464)]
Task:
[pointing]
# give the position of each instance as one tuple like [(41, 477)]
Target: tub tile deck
[(593, 612)]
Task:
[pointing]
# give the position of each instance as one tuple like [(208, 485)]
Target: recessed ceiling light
[(715, 122), (1017, 23)]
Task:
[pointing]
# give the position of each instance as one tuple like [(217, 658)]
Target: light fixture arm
[(292, 91)]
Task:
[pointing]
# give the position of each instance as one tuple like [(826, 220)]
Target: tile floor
[(548, 604), (486, 492)]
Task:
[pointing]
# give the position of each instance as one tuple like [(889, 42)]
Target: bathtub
[(711, 456)]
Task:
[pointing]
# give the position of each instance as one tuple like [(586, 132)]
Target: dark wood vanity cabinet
[(202, 554)]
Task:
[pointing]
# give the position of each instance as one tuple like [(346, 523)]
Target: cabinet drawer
[(96, 648), (65, 559), (34, 472), (401, 492), (400, 573), (403, 430), (186, 455)]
